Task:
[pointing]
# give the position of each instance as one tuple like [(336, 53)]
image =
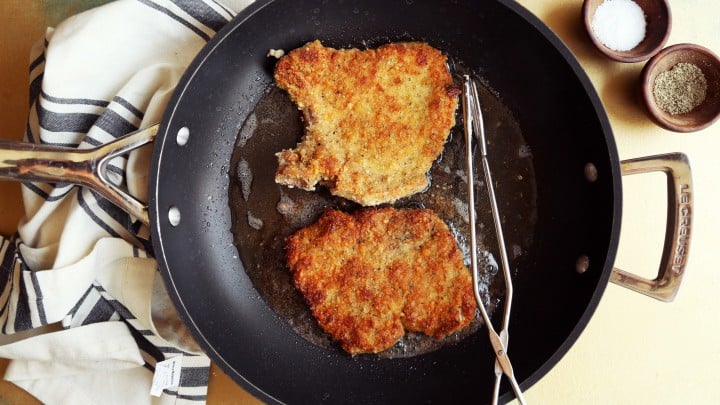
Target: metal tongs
[(473, 121)]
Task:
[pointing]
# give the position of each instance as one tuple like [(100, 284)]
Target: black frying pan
[(562, 121)]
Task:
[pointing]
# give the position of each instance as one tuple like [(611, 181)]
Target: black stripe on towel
[(120, 309), (65, 122), (7, 269), (91, 141), (7, 263), (169, 350), (117, 214), (28, 131), (115, 169), (77, 101), (38, 298), (23, 319), (200, 11), (194, 376), (114, 124), (176, 17), (144, 344), (146, 332), (82, 299), (84, 205), (47, 197), (37, 190), (35, 88), (40, 59), (128, 106), (100, 312), (185, 397)]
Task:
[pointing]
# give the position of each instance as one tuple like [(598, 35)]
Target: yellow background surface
[(635, 350)]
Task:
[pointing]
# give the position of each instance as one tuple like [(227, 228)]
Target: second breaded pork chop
[(375, 119), (370, 275)]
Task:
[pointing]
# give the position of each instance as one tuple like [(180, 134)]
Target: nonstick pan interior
[(561, 119)]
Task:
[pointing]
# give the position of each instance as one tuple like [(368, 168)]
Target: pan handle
[(29, 162), (677, 239)]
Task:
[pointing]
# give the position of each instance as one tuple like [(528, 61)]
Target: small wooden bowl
[(657, 31), (701, 116)]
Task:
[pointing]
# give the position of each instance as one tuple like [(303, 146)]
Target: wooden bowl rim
[(626, 56), (653, 109)]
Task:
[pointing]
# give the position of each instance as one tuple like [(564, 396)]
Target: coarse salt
[(619, 24)]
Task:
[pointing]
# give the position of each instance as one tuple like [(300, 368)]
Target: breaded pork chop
[(375, 119), (370, 275)]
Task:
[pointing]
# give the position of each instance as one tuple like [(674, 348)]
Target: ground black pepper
[(680, 89)]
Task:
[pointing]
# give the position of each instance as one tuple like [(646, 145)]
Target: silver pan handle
[(29, 162), (677, 239)]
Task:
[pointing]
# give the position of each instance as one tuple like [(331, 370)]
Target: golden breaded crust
[(375, 119), (370, 275)]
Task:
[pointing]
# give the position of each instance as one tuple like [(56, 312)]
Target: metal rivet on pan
[(183, 135), (582, 264), (174, 216), (591, 173)]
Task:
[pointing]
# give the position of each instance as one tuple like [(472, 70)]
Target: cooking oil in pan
[(265, 213)]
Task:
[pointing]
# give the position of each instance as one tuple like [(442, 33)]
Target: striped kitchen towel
[(83, 307)]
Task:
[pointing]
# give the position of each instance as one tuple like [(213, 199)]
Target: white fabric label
[(167, 375)]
